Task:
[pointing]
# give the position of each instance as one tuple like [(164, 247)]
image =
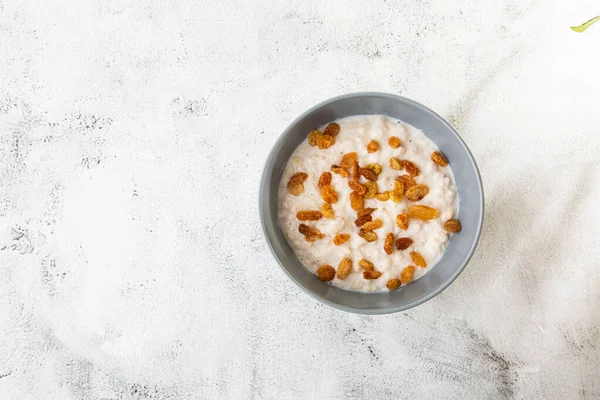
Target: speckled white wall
[(132, 136)]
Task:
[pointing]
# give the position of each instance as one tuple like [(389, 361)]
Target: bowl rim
[(262, 191)]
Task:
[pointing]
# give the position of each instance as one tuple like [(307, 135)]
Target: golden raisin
[(325, 273), (418, 259), (369, 236), (372, 147), (355, 171), (325, 141), (384, 196), (394, 142), (324, 179), (304, 229), (314, 235), (328, 194), (439, 159), (296, 190), (331, 129), (357, 187), (371, 274), (407, 274), (393, 284), (298, 177), (363, 219), (340, 171), (411, 168), (374, 167), (308, 215), (403, 243), (356, 201), (396, 164), (406, 180), (366, 265), (327, 210), (368, 174), (398, 192), (372, 189), (365, 211), (340, 238), (360, 221), (344, 268), (348, 160), (423, 212), (452, 226), (388, 245), (402, 221), (312, 137), (372, 225), (310, 234), (417, 192)]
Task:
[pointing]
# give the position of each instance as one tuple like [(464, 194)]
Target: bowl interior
[(468, 183)]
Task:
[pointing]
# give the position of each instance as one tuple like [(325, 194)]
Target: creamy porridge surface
[(428, 236)]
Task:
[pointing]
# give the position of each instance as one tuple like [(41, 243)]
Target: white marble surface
[(132, 136)]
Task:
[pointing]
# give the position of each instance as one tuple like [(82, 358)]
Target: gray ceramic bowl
[(468, 182)]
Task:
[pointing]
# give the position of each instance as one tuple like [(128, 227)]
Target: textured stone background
[(132, 136)]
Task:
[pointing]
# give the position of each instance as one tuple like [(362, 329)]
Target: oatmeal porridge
[(368, 203)]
